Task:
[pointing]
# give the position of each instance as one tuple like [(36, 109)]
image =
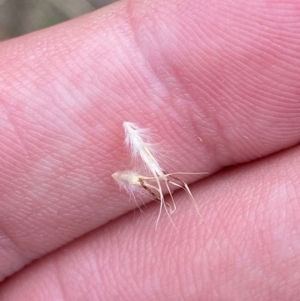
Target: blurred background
[(18, 17)]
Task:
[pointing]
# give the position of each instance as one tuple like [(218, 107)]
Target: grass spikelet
[(159, 181)]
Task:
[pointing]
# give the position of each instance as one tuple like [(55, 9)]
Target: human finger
[(65, 96), (252, 211)]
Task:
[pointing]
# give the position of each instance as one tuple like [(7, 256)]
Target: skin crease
[(225, 71)]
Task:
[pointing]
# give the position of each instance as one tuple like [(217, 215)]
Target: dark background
[(18, 17)]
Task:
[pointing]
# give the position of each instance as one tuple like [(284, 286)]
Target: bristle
[(137, 140)]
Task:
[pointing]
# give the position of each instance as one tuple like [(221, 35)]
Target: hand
[(225, 71)]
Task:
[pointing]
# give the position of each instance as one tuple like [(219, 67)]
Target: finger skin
[(252, 211), (226, 72)]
